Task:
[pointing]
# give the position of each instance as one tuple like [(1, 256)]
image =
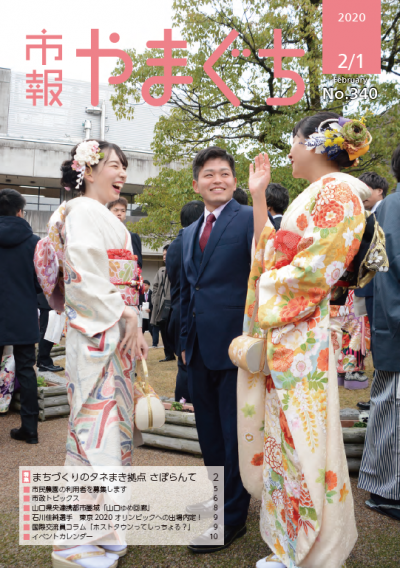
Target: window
[(31, 195), (49, 199)]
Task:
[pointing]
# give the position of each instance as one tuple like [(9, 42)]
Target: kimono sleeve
[(262, 259), (92, 302), (335, 225)]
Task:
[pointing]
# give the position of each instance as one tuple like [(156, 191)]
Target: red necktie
[(207, 232)]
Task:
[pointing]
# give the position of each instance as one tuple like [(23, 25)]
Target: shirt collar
[(278, 215), (375, 207), (217, 212)]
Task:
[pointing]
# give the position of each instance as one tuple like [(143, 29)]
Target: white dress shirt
[(216, 214), (375, 207)]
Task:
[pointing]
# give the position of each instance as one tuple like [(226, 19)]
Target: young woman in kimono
[(103, 335), (355, 349), (299, 467)]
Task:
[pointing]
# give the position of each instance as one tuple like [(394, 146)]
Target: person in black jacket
[(146, 297), (277, 198), (189, 214), (119, 208), (44, 360), (18, 317)]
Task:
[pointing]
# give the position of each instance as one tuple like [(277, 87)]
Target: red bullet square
[(27, 489), (26, 517), (27, 508), (26, 499), (26, 537), (26, 476), (26, 527)]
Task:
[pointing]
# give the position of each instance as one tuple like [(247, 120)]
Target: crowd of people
[(285, 279)]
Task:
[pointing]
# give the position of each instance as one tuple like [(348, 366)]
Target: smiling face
[(106, 180), (215, 184)]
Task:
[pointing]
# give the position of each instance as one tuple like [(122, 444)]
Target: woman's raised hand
[(259, 176), (259, 179)]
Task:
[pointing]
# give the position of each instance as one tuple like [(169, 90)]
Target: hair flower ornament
[(340, 135), (87, 155)]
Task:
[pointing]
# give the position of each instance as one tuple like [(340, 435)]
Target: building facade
[(35, 140)]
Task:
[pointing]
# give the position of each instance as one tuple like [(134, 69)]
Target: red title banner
[(351, 32)]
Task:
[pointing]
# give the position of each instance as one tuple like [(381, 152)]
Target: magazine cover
[(199, 259)]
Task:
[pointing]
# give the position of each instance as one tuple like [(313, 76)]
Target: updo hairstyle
[(70, 176), (309, 125)]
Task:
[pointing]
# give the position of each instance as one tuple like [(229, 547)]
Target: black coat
[(43, 304), (18, 283), (173, 264), (137, 248)]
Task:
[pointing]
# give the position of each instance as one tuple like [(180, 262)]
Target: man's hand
[(184, 357)]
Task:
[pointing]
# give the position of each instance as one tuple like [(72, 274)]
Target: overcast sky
[(135, 21)]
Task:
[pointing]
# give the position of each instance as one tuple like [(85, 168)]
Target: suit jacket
[(368, 290), (173, 265), (277, 222), (143, 299), (159, 294), (386, 318), (213, 296), (137, 248)]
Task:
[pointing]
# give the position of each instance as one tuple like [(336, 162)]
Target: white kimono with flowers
[(100, 378)]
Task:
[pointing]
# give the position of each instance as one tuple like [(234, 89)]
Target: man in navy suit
[(216, 258), (190, 212)]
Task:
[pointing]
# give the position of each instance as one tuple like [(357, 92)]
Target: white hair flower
[(87, 154)]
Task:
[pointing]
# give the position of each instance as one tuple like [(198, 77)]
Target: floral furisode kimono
[(7, 379), (298, 465), (355, 347), (100, 379)]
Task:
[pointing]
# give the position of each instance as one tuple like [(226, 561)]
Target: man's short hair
[(240, 195), (119, 201), (396, 163), (11, 201), (277, 197), (210, 154), (146, 282), (375, 182), (190, 212), (165, 247)]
